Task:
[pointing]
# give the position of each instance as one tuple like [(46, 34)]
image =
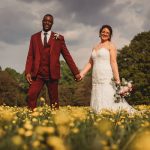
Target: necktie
[(45, 39)]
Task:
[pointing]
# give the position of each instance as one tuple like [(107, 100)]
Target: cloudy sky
[(78, 20)]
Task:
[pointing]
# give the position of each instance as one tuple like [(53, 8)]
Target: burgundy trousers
[(35, 89)]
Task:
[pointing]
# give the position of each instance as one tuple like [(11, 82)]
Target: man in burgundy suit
[(42, 64)]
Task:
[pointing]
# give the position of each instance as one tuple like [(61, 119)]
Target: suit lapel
[(51, 37), (51, 41), (40, 44)]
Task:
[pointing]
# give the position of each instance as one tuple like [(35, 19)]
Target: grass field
[(73, 128)]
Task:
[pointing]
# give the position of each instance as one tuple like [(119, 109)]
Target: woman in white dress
[(104, 67)]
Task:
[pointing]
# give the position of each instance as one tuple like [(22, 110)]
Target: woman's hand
[(117, 81), (82, 75)]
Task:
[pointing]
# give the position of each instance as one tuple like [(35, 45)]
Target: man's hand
[(29, 79), (77, 77)]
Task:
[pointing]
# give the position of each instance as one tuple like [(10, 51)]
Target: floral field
[(73, 128)]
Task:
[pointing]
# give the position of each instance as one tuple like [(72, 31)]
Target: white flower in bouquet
[(122, 90), (130, 85)]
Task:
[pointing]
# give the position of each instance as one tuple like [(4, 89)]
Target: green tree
[(134, 64), (66, 74), (10, 92), (15, 75), (72, 92)]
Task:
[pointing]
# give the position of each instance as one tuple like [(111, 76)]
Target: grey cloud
[(146, 24), (86, 12), (127, 30), (92, 12), (15, 24), (40, 1)]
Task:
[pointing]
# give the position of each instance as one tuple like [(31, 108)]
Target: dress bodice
[(101, 65), (102, 55)]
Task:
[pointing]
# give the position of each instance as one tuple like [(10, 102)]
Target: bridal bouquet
[(123, 90)]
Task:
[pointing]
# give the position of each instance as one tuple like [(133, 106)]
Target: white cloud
[(118, 39), (14, 56)]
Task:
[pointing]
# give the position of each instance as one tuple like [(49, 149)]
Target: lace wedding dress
[(102, 95)]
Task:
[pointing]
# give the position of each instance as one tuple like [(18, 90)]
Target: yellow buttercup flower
[(63, 130), (28, 133), (109, 133), (71, 124), (105, 126), (34, 120), (42, 99), (21, 131), (7, 115), (41, 130), (36, 144), (62, 117), (141, 141), (28, 125), (35, 114), (75, 130), (17, 140), (79, 113), (103, 142), (56, 143), (114, 147)]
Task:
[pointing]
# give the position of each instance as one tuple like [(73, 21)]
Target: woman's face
[(105, 34)]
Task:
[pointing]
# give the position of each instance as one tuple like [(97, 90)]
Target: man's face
[(47, 23)]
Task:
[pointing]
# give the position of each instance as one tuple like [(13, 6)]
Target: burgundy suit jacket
[(57, 47)]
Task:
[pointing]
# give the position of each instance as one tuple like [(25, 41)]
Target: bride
[(104, 67)]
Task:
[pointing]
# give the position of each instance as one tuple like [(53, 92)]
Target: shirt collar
[(49, 32)]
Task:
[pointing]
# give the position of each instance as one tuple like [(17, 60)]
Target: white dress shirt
[(48, 36)]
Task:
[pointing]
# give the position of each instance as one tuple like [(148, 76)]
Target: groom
[(42, 64)]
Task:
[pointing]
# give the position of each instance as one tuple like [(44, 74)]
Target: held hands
[(79, 77), (28, 77)]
